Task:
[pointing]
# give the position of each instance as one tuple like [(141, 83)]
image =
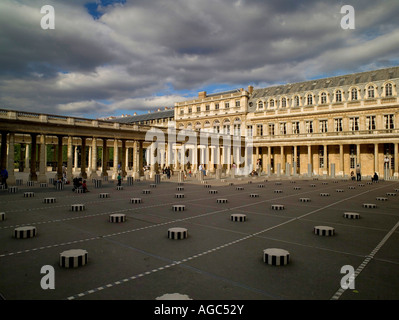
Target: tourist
[(84, 186), (352, 176), (4, 177), (358, 175), (375, 177), (119, 179)]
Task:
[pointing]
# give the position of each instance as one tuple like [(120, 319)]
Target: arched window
[(283, 102), (260, 104), (388, 90), (207, 126), (370, 92), (271, 103), (310, 99), (323, 98), (226, 126), (189, 126), (198, 126), (354, 94), (296, 101), (216, 126), (237, 127), (338, 96)]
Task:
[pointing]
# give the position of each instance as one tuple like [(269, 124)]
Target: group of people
[(79, 183), (4, 177)]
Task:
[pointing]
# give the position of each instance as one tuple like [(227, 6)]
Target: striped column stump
[(323, 231), (157, 178), (2, 216), (339, 190), (297, 188), (12, 189), (19, 182), (351, 215), (231, 184), (324, 194), (292, 181), (49, 200), (254, 195), (129, 181), (180, 183), (153, 185), (59, 186), (304, 199), (177, 233), (117, 217), (261, 185), (352, 187), (98, 183), (324, 183), (135, 200), (221, 200), (277, 207), (369, 205), (207, 186), (146, 191), (278, 191), (137, 180), (179, 195), (43, 185), (2, 187), (396, 190), (213, 191), (180, 188), (30, 183), (51, 181), (79, 190), (119, 187), (391, 194), (105, 178), (25, 232), (238, 217), (239, 188), (361, 184), (204, 182), (77, 207), (104, 195), (313, 185), (276, 257), (73, 258), (381, 199), (178, 207), (277, 183), (335, 181), (29, 194), (369, 182)]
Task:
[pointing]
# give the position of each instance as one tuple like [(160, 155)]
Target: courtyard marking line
[(208, 251), (360, 268)]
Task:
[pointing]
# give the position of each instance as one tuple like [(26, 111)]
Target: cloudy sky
[(118, 57)]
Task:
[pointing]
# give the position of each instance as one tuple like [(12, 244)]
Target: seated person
[(375, 177), (352, 175), (84, 186)]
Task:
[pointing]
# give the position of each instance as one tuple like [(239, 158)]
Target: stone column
[(33, 175), (140, 159), (282, 156), (212, 160), (93, 171), (3, 161), (135, 167), (123, 160), (310, 169), (341, 160), (325, 152), (75, 166), (396, 162), (59, 158), (175, 166), (69, 159), (27, 163), (83, 159), (295, 162), (116, 159), (42, 158), (104, 172), (10, 166)]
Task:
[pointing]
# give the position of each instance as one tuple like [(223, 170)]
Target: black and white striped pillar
[(2, 216), (25, 232), (238, 217), (221, 200), (157, 178), (12, 189), (117, 217), (135, 200), (73, 258), (104, 195), (129, 181), (49, 200), (178, 207), (323, 231), (177, 233), (98, 183), (277, 207), (78, 207), (276, 257), (179, 195), (351, 215), (29, 194)]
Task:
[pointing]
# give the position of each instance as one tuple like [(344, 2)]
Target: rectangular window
[(370, 123), (389, 121), (295, 127), (283, 128), (323, 126), (321, 157), (309, 126), (249, 131), (259, 130), (181, 112), (237, 103), (207, 107), (216, 106), (237, 130), (271, 129), (198, 109), (354, 124), (190, 110), (227, 105), (338, 125)]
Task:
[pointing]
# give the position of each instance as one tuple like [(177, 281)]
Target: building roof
[(170, 113)]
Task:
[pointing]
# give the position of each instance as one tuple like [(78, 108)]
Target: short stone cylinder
[(12, 189), (391, 194), (254, 195), (180, 188), (78, 207), (304, 199), (179, 195), (207, 186), (278, 191), (297, 188), (276, 257), (369, 205), (313, 185), (30, 183), (261, 185), (324, 231), (146, 191), (2, 216), (104, 195), (43, 185), (277, 207), (119, 187), (117, 217), (239, 188), (25, 232), (49, 200), (177, 233), (29, 194), (153, 185), (351, 215), (221, 200), (324, 194), (135, 200), (73, 258), (339, 190), (178, 207), (78, 190), (238, 217), (381, 199), (213, 191)]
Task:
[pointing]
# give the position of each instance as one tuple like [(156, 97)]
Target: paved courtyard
[(220, 259)]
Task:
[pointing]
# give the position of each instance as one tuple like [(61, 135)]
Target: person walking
[(4, 177), (358, 175), (119, 179)]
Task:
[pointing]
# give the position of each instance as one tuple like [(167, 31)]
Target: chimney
[(250, 89), (202, 95)]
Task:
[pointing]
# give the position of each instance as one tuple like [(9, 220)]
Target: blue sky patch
[(93, 7)]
